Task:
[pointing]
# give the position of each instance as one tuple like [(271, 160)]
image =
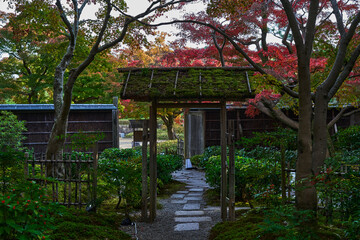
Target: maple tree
[(298, 68), (25, 75), (104, 33)]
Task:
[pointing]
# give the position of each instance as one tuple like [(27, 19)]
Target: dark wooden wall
[(87, 118), (260, 123)]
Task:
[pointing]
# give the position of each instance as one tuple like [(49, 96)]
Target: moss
[(245, 227), (214, 83), (250, 225), (78, 224), (78, 231)]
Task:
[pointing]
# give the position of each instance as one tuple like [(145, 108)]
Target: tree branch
[(284, 40), (338, 116), (339, 18), (267, 107), (293, 23)]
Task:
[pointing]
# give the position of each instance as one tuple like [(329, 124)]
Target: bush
[(281, 137), (167, 147), (196, 160), (166, 164), (251, 176), (348, 139), (120, 169), (26, 212), (208, 153)]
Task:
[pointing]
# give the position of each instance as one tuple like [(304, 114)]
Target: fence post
[(26, 166), (144, 174), (95, 163), (231, 144)]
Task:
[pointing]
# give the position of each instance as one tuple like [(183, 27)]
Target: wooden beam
[(135, 69), (189, 105), (223, 161), (153, 167)]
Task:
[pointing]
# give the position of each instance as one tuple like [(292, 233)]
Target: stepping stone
[(212, 208), (182, 192), (192, 219), (193, 198), (196, 189), (178, 196), (186, 227), (192, 206), (189, 213), (194, 195), (179, 201)]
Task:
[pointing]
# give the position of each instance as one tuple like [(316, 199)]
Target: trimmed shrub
[(251, 176), (166, 164)]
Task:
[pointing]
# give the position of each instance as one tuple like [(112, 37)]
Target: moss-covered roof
[(193, 83)]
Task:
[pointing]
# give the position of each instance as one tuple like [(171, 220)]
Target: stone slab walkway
[(184, 216)]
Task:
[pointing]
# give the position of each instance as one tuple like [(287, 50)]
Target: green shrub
[(26, 212), (167, 147), (348, 139), (281, 137), (120, 169), (274, 219), (196, 160), (208, 153), (11, 155), (251, 176), (11, 132), (166, 164)]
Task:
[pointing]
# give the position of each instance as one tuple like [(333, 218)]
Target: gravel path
[(184, 215)]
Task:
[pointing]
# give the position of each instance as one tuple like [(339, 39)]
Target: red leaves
[(252, 111)]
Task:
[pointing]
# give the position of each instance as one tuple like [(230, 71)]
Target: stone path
[(184, 215), (193, 214)]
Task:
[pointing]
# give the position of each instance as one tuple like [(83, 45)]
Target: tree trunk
[(169, 123), (306, 197), (320, 131)]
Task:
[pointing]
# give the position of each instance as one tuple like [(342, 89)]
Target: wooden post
[(223, 161), (153, 167), (144, 174), (283, 177), (115, 120), (186, 135), (26, 166), (231, 171), (95, 164)]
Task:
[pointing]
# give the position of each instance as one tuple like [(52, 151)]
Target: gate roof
[(187, 83)]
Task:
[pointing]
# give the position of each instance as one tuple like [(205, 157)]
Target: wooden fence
[(70, 182)]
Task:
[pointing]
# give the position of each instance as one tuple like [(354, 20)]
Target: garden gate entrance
[(187, 87)]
